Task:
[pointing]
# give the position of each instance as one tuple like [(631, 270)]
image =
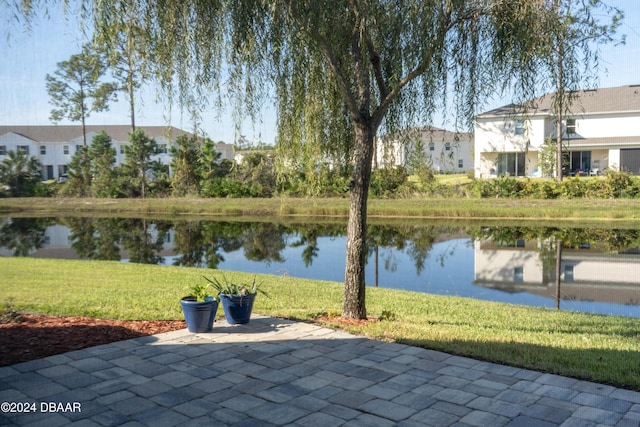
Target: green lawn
[(598, 348), (453, 179)]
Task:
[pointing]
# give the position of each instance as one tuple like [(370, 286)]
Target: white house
[(442, 150), (601, 131), (55, 145)]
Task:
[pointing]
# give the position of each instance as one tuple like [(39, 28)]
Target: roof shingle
[(65, 133), (621, 99)]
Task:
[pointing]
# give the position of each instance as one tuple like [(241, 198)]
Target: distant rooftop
[(604, 100), (432, 133), (64, 133)]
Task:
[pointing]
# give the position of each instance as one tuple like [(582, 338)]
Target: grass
[(609, 210), (453, 179), (598, 348)]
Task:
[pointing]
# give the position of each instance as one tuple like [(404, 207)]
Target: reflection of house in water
[(58, 244), (587, 272)]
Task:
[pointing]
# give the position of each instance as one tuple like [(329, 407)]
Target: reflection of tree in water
[(101, 238), (200, 243), (83, 236), (108, 232), (310, 243), (139, 240), (609, 240), (264, 242), (421, 242), (221, 236), (188, 243), (416, 240), (308, 237), (386, 237), (23, 235)]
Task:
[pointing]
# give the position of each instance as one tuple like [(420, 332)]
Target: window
[(518, 274), (161, 149), (43, 150), (23, 149), (577, 162), (520, 243), (78, 148), (447, 146), (432, 146), (568, 273), (511, 164), (460, 163), (122, 149), (519, 127), (65, 149), (571, 126), (3, 150)]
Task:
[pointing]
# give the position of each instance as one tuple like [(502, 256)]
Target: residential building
[(599, 132), (444, 151), (55, 145)]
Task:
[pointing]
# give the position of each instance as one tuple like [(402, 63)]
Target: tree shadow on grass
[(592, 364)]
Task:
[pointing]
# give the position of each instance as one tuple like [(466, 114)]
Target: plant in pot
[(199, 308), (237, 298)]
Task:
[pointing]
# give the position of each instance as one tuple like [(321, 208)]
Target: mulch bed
[(343, 321), (37, 335)]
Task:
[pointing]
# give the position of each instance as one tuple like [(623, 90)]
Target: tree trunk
[(559, 113), (131, 90), (84, 130), (558, 271), (560, 101), (354, 284)]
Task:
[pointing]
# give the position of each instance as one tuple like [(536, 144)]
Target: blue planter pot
[(237, 309), (199, 315)]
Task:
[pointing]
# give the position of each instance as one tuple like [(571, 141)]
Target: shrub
[(224, 187), (503, 187), (620, 184), (598, 188), (546, 190), (385, 182), (573, 188)]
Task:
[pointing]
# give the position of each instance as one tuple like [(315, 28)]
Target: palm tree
[(20, 173)]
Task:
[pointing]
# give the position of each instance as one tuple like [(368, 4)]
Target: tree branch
[(325, 48)]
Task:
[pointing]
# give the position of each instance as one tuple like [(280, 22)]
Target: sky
[(27, 57)]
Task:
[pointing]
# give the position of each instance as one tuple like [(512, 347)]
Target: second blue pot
[(237, 309)]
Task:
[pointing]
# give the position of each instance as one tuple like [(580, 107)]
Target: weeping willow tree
[(575, 31), (338, 72)]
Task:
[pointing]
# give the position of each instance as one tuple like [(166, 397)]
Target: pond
[(581, 269)]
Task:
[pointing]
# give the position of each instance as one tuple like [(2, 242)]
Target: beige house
[(55, 145), (601, 131), (442, 150)]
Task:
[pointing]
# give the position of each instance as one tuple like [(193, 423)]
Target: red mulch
[(343, 321), (38, 336)]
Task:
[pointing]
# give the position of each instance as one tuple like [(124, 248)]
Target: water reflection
[(584, 269), (567, 265), (21, 236)]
